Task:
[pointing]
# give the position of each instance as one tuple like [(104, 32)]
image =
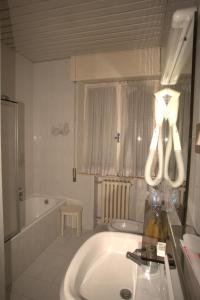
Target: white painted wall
[(47, 93), (8, 72), (116, 65), (53, 105), (2, 257)]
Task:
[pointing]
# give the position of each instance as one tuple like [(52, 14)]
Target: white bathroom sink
[(100, 269)]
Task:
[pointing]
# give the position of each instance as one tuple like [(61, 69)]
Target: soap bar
[(161, 249)]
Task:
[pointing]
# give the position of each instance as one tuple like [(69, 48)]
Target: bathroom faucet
[(136, 258)]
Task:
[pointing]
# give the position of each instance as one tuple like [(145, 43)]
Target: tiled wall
[(53, 106), (47, 92), (194, 190)]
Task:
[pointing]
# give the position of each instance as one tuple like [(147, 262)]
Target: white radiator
[(115, 197)]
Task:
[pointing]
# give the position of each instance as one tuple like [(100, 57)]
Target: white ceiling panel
[(54, 29)]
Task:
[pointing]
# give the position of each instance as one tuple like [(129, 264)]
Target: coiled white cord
[(151, 159), (170, 113), (179, 159)]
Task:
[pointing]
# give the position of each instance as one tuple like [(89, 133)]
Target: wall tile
[(53, 104)]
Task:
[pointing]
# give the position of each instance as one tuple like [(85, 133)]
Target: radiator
[(115, 197)]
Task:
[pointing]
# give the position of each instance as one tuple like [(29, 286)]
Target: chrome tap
[(136, 258)]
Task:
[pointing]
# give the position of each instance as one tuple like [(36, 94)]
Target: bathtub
[(37, 207), (41, 226)]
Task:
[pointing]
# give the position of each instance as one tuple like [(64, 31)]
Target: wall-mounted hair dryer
[(167, 110)]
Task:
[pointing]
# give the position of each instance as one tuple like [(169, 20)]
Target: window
[(125, 110), (99, 123)]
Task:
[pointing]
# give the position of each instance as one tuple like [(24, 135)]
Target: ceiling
[(55, 29)]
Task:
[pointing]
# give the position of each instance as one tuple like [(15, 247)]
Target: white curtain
[(99, 130), (137, 125), (128, 106)]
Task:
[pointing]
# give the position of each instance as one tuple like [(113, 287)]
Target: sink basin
[(126, 226), (100, 269)]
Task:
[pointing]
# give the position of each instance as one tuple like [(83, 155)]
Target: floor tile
[(53, 293), (14, 296), (22, 284), (34, 269), (48, 274), (59, 276), (42, 279)]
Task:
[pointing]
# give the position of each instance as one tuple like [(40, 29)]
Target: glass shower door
[(9, 146)]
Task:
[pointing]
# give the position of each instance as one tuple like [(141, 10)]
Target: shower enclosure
[(12, 144)]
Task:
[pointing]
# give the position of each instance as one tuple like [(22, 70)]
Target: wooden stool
[(75, 211)]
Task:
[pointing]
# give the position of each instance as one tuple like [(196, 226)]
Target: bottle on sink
[(155, 216)]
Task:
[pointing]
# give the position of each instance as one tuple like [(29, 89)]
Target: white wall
[(116, 65), (8, 72), (193, 216), (2, 258), (53, 105), (47, 94)]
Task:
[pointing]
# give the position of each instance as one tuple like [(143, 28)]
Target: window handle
[(117, 137)]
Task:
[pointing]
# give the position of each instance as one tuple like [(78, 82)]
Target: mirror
[(185, 82), (178, 69)]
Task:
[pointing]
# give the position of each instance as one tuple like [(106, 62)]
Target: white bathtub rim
[(37, 219), (66, 200), (62, 201)]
